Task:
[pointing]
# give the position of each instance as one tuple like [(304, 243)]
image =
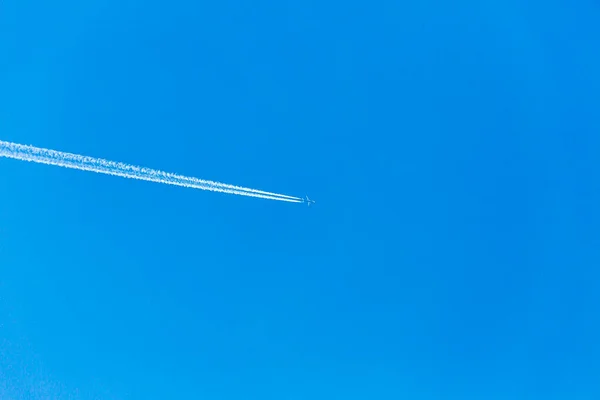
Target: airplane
[(309, 201)]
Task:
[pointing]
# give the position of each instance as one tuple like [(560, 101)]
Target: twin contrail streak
[(84, 163)]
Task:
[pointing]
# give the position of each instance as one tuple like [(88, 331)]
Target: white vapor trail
[(84, 163)]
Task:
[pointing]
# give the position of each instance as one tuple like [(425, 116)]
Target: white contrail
[(84, 163)]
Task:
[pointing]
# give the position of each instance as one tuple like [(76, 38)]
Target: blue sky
[(452, 150)]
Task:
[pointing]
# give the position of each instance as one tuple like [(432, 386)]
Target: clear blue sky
[(452, 149)]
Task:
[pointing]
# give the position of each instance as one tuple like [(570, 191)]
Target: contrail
[(101, 166)]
